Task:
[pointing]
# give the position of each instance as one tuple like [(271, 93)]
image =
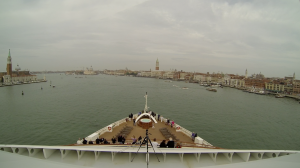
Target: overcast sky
[(197, 35)]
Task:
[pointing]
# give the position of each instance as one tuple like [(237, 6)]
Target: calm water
[(77, 107)]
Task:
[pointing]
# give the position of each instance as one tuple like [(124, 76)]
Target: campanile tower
[(157, 65), (9, 65)]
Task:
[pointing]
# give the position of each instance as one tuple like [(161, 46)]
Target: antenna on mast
[(146, 106)]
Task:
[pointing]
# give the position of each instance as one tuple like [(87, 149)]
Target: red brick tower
[(157, 65), (9, 65)]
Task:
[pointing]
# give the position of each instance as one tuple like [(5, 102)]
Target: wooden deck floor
[(153, 133)]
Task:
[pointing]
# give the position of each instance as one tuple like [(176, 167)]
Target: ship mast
[(146, 106)]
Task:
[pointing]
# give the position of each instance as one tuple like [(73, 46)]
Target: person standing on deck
[(113, 140), (120, 139), (140, 139), (168, 122), (193, 136), (79, 142), (154, 143), (171, 143), (84, 141), (97, 141), (163, 144), (133, 139), (123, 139)]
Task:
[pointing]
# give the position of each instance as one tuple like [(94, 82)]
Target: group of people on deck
[(169, 144), (171, 123), (97, 141), (121, 140), (163, 144)]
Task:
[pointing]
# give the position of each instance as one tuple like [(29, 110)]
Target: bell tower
[(294, 76), (246, 74), (9, 65), (157, 65)]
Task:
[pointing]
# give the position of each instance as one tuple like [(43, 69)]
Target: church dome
[(17, 68)]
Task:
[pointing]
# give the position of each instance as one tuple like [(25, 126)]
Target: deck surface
[(153, 133)]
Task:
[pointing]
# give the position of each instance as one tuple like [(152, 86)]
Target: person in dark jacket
[(113, 140), (84, 141), (123, 139), (140, 139), (163, 144), (101, 140), (97, 141), (105, 141), (120, 139), (170, 143)]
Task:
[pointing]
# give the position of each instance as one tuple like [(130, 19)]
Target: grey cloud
[(226, 35)]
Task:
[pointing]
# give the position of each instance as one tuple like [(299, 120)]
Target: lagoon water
[(77, 107)]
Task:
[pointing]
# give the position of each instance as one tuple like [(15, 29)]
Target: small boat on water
[(279, 96), (215, 85), (184, 88), (8, 84), (212, 89), (17, 83), (44, 80), (261, 92), (168, 81)]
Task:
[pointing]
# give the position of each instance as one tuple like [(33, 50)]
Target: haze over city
[(204, 36)]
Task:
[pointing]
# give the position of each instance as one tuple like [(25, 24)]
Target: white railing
[(75, 153), (103, 130)]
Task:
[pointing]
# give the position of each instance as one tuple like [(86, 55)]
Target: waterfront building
[(226, 80), (275, 86), (256, 83), (156, 74), (241, 83), (200, 77), (168, 75), (10, 77), (182, 75), (146, 73), (89, 71), (189, 76), (296, 87), (216, 78)]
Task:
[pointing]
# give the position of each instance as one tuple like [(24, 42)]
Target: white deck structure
[(121, 156)]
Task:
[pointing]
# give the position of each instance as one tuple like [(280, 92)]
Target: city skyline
[(216, 36)]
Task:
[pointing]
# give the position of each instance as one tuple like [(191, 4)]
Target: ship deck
[(153, 133)]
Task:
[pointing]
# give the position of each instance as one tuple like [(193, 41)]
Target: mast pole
[(146, 106)]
